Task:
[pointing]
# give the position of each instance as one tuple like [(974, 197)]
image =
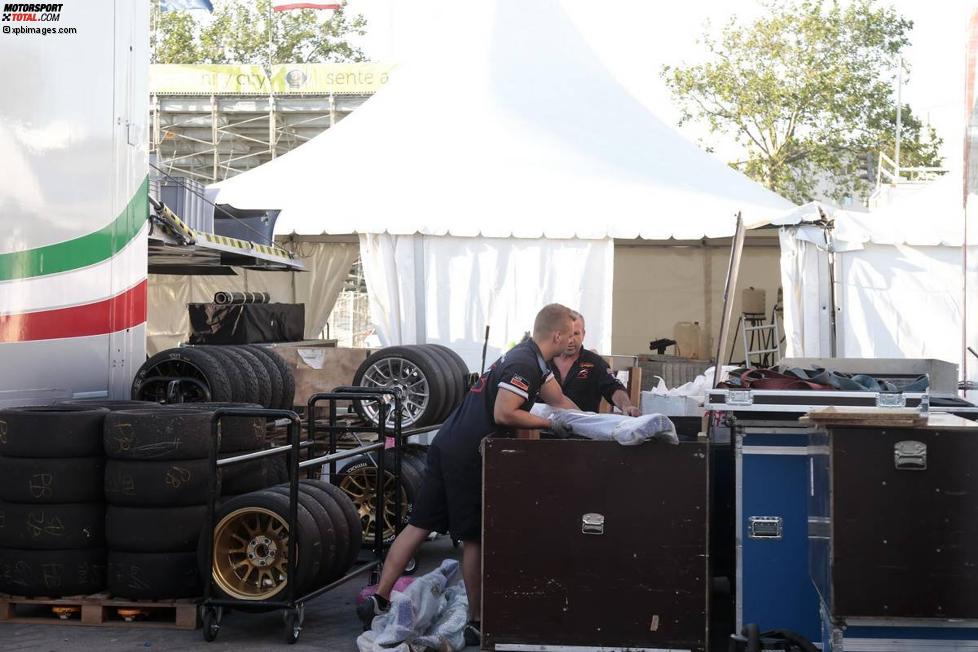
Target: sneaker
[(473, 634), (369, 609)]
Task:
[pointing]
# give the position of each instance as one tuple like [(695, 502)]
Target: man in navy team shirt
[(585, 377), (451, 494)]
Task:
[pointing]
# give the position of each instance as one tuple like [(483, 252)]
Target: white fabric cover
[(429, 615), (327, 265), (468, 283), (520, 132)]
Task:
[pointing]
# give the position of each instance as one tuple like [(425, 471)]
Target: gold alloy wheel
[(361, 486), (251, 550)]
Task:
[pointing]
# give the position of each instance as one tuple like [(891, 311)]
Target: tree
[(237, 32), (807, 91)]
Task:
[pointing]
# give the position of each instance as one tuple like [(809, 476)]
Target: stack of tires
[(156, 487), (433, 378), (242, 374), (251, 537), (52, 516)]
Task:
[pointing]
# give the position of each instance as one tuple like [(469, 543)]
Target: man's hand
[(558, 427), (624, 403)]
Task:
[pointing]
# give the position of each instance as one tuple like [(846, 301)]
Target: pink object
[(400, 585)]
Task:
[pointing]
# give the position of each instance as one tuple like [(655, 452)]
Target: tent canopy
[(508, 126)]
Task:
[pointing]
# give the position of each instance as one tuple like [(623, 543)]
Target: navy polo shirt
[(521, 371), (588, 380)]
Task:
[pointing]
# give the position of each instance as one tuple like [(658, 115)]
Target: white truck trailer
[(73, 198), (77, 232)]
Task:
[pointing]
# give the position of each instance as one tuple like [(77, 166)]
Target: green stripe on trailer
[(82, 251)]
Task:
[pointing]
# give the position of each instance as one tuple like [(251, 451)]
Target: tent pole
[(421, 327), (733, 270), (833, 303)]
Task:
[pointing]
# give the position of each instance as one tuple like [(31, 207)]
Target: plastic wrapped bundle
[(627, 431)]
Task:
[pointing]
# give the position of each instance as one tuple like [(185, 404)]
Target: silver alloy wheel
[(397, 372)]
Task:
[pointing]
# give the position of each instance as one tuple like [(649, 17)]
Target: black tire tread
[(173, 433), (153, 575), (51, 431), (275, 382), (154, 529), (156, 483), (452, 389), (52, 573), (73, 526), (264, 395), (45, 481), (288, 378), (353, 525)]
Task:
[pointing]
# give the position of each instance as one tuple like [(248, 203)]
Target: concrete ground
[(330, 624)]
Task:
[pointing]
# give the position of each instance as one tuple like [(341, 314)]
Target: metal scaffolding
[(215, 137)]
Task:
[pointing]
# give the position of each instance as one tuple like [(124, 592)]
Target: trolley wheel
[(412, 566), (211, 619), (293, 624)]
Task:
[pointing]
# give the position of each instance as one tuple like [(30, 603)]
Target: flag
[(180, 5), (285, 5)]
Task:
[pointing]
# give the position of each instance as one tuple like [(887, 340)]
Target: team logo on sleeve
[(520, 382)]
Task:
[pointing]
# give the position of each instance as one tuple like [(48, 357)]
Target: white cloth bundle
[(429, 615), (627, 431)]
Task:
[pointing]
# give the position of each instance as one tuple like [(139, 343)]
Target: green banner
[(287, 79)]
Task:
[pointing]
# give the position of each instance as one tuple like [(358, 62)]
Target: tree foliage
[(808, 91), (238, 32)]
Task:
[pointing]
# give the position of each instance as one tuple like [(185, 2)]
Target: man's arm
[(623, 402), (506, 412), (553, 395)]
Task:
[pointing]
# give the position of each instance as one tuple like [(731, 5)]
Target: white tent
[(509, 131), (900, 286)]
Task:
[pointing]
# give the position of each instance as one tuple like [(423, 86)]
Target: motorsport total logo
[(31, 12)]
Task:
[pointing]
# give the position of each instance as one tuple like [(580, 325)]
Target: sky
[(635, 38)]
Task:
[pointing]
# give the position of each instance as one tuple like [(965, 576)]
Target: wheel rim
[(361, 486), (395, 372), (154, 388), (251, 551)]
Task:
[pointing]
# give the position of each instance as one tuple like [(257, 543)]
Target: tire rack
[(211, 608)]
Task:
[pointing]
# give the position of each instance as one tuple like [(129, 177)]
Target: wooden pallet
[(99, 609)]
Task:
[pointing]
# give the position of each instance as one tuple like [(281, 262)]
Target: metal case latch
[(592, 524), (765, 527), (740, 397), (891, 400), (910, 455)]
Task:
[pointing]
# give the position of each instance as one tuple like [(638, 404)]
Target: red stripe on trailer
[(124, 310), (306, 5)]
